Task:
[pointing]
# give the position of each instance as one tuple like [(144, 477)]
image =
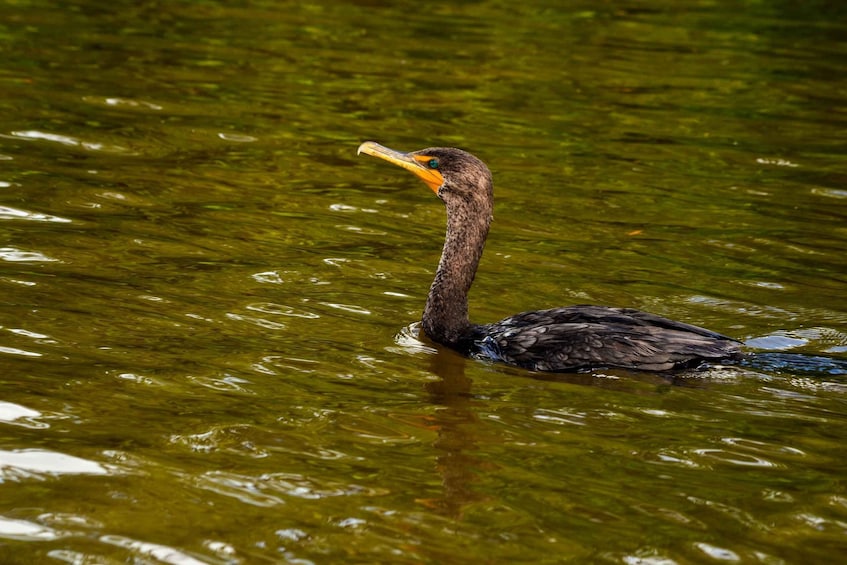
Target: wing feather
[(577, 337)]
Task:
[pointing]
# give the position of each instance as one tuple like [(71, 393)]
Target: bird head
[(449, 172)]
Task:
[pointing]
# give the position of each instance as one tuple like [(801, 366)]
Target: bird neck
[(445, 317)]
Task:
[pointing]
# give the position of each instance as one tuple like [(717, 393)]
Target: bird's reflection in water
[(457, 422), (457, 426)]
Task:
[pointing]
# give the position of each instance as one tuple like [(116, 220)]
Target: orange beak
[(414, 163)]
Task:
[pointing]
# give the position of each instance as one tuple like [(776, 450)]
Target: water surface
[(208, 345)]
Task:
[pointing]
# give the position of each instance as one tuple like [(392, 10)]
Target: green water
[(208, 350)]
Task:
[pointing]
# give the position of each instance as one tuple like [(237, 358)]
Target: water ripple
[(26, 531), (821, 523), (226, 383), (35, 135), (292, 363), (272, 277), (126, 103), (33, 335), (237, 137), (9, 213), (670, 515), (18, 255), (736, 514), (281, 310), (347, 307), (644, 559), (830, 192), (560, 417), (256, 321), (245, 489), (378, 432), (408, 341), (741, 459), (161, 553), (669, 456), (33, 463), (17, 415), (827, 339), (16, 351), (762, 447), (234, 439), (271, 489), (715, 552)]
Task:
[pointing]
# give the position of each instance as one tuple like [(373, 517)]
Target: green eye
[(433, 163)]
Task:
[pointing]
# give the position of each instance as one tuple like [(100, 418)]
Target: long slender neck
[(445, 317)]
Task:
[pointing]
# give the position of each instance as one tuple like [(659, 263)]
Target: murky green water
[(207, 349)]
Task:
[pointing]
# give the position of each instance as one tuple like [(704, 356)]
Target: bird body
[(558, 339), (585, 336)]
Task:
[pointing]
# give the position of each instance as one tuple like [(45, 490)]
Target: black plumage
[(558, 339)]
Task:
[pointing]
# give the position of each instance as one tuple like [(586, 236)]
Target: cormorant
[(559, 339)]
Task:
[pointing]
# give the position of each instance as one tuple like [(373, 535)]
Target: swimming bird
[(570, 338)]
